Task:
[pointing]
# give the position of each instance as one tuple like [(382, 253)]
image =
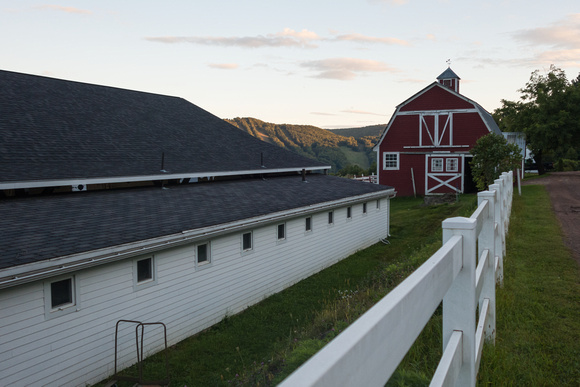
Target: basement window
[(60, 296)]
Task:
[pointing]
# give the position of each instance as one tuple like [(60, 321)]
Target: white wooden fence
[(463, 274), (367, 179)]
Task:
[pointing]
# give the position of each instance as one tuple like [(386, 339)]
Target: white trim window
[(60, 296), (452, 164), (437, 164), (281, 231), (390, 161), (349, 212), (364, 208), (330, 218), (144, 273), (247, 241), (203, 253), (308, 224), (378, 204)]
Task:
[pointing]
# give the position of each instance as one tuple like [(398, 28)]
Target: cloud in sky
[(285, 38), (223, 66), (345, 69), (562, 36), (362, 112), (371, 39), (65, 9)]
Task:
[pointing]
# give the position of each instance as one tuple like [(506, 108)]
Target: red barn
[(424, 149)]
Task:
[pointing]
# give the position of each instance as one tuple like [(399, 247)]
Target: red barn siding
[(436, 98), (402, 136)]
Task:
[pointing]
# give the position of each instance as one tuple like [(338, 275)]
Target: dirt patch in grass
[(564, 191)]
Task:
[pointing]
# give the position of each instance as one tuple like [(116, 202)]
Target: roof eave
[(21, 274), (139, 178)]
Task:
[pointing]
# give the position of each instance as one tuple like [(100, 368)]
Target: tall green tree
[(492, 155), (548, 112)]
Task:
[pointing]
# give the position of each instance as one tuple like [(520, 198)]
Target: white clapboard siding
[(78, 347)]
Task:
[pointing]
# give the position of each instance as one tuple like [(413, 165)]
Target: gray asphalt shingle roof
[(55, 129), (39, 228)]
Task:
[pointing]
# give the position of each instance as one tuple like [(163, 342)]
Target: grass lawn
[(538, 309)]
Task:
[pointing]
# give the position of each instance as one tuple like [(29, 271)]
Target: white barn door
[(444, 173)]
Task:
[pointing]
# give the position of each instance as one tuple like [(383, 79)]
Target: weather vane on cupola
[(448, 61)]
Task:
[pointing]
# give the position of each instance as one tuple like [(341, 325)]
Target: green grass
[(538, 309), (355, 157), (267, 341), (538, 324)]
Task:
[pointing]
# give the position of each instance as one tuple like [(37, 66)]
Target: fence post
[(459, 304), (486, 241), (502, 212), (498, 239)]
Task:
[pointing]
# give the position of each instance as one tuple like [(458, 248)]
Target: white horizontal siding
[(78, 348)]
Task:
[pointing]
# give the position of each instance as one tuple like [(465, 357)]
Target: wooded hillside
[(329, 146)]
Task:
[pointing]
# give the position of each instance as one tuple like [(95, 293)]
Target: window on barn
[(61, 293), (437, 165), (144, 270), (60, 296), (452, 165), (308, 224), (247, 244), (203, 253), (391, 160), (281, 231), (144, 273)]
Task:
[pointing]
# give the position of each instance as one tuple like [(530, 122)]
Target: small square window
[(437, 165), (281, 231), (145, 270), (331, 217), (451, 165), (60, 297), (308, 223), (203, 253), (391, 161), (348, 212), (61, 293), (364, 208), (247, 241)]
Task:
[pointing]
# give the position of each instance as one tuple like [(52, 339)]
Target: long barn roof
[(54, 130)]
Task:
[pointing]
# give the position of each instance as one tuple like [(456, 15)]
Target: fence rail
[(463, 274)]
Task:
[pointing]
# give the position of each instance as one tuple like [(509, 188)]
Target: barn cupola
[(449, 79)]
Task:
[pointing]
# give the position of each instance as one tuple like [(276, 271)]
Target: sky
[(332, 64)]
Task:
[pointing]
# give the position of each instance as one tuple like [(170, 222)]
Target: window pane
[(364, 208), (202, 253), (144, 270), (349, 212), (308, 224), (281, 231), (247, 241), (330, 217), (61, 293)]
